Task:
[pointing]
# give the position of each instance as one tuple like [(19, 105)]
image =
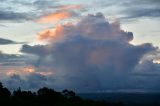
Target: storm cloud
[(32, 81), (90, 55)]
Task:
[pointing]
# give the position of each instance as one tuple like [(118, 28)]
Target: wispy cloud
[(62, 12), (14, 16), (55, 17), (30, 10), (20, 11), (70, 7), (7, 41), (139, 9)]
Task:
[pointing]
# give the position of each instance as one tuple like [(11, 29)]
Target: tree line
[(46, 97)]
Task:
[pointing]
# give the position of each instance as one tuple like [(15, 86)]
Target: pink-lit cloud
[(50, 34), (55, 17)]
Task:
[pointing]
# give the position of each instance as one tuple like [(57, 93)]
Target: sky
[(86, 46)]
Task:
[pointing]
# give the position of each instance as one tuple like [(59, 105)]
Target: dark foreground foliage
[(46, 97)]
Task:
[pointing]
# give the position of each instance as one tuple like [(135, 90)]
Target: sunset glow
[(87, 46), (51, 34), (55, 17), (29, 69), (11, 72), (156, 61)]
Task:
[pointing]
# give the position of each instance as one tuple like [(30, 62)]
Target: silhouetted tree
[(1, 86), (4, 95), (46, 97), (4, 92), (68, 94), (49, 96)]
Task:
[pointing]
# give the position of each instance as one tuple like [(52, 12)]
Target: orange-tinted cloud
[(11, 72), (56, 33), (45, 73), (29, 69), (63, 12), (20, 71), (46, 34), (49, 34), (156, 61), (55, 17), (23, 71)]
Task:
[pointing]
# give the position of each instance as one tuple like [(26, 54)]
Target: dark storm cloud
[(36, 81), (7, 41), (14, 81), (39, 50), (90, 55), (148, 74), (148, 67), (32, 82)]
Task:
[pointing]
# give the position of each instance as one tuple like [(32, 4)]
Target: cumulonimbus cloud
[(92, 54)]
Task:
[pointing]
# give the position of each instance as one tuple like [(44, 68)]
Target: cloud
[(10, 57), (21, 11), (16, 71), (14, 81), (32, 82), (129, 9), (85, 28), (61, 13), (146, 76), (132, 10), (55, 17), (134, 13), (54, 33), (69, 7), (44, 5), (91, 55), (30, 10), (7, 41), (14, 63), (11, 15), (37, 49)]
